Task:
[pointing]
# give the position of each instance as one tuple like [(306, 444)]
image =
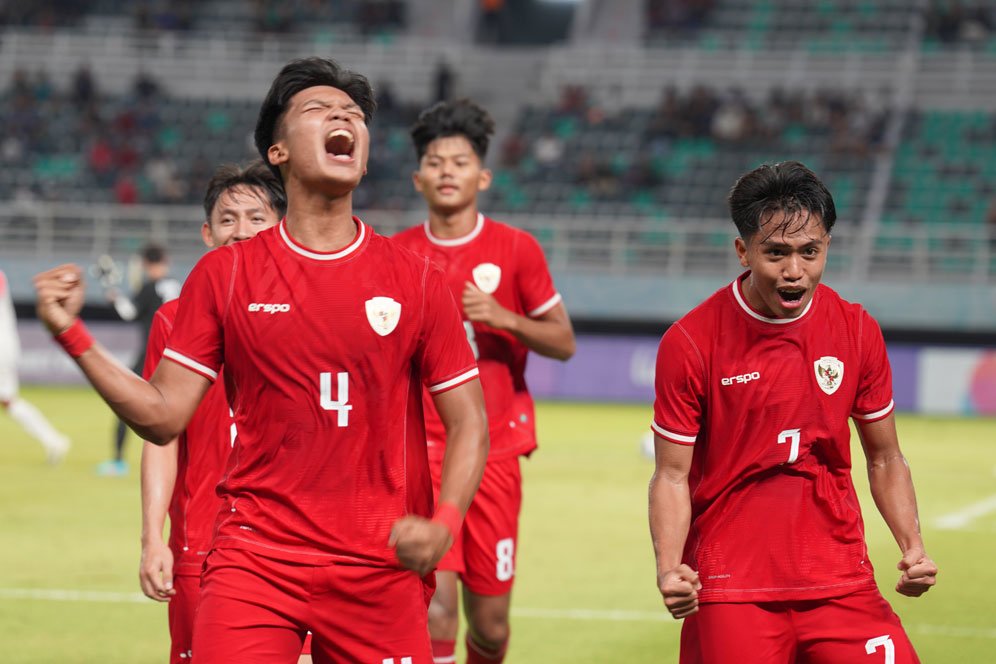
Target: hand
[(419, 543), (680, 587), (481, 307), (60, 296), (155, 571), (919, 573)]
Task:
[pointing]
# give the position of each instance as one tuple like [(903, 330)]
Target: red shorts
[(484, 554), (860, 627), (255, 609), (181, 617)]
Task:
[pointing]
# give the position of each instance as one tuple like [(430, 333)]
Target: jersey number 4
[(340, 403)]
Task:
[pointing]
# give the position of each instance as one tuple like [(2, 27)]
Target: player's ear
[(484, 179), (206, 235), (741, 248), (417, 181), (277, 154)]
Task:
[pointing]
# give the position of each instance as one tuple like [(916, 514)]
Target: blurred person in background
[(510, 307), (755, 522), (21, 411), (157, 288)]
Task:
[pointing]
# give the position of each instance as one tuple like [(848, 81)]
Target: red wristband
[(448, 515), (75, 339)]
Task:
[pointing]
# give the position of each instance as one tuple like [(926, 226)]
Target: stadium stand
[(102, 109)]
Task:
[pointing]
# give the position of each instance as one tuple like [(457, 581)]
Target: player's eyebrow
[(774, 244)]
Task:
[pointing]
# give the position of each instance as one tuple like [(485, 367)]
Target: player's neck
[(321, 223), (451, 225)]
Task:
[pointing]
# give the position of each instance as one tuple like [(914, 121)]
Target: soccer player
[(21, 411), (510, 307), (755, 522), (327, 332), (180, 477), (157, 289)]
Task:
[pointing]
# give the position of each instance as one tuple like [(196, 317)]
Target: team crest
[(829, 373), (383, 313), (487, 276)]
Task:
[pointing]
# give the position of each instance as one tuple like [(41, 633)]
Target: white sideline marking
[(72, 595), (966, 515), (595, 614), (522, 612)]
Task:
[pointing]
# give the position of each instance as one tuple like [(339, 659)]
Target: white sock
[(31, 419)]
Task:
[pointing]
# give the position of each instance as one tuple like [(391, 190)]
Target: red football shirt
[(325, 355), (509, 264), (201, 458), (766, 403)]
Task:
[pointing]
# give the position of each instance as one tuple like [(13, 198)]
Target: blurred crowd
[(271, 16), (957, 22)]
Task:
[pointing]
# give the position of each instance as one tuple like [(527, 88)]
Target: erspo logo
[(269, 308), (742, 379)]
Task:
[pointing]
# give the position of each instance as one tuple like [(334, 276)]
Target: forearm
[(892, 489), (548, 338), (466, 453), (138, 403), (670, 518), (159, 467)]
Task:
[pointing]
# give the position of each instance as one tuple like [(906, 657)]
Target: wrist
[(74, 339), (447, 514)]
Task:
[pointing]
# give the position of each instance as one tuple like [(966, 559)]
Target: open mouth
[(339, 144), (791, 297)]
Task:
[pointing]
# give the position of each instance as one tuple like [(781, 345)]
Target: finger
[(922, 568)]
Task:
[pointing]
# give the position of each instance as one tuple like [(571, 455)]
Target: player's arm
[(549, 334), (892, 488), (420, 543), (157, 410), (159, 467), (670, 518)]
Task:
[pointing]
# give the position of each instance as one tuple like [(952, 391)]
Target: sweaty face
[(786, 258), (238, 214), (322, 140), (450, 174)]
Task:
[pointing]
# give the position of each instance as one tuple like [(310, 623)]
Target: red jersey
[(509, 264), (203, 451), (766, 403), (325, 355)]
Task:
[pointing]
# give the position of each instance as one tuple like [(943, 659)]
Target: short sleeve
[(197, 341), (679, 386), (535, 283), (444, 355), (873, 399), (158, 335)]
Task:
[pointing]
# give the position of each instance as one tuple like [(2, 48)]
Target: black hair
[(256, 176), (461, 117), (788, 187), (153, 253), (299, 75)]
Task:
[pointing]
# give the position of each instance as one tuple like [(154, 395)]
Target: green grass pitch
[(585, 580)]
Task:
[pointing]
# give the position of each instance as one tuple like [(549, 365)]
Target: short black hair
[(789, 187), (300, 75), (153, 254), (256, 175), (461, 117)]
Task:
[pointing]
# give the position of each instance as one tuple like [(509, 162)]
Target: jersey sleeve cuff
[(193, 365), (456, 381), (546, 306), (876, 415), (673, 437)]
